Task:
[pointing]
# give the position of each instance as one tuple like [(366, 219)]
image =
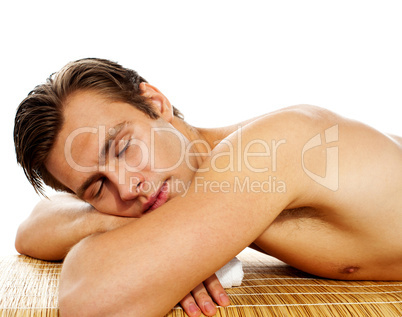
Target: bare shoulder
[(283, 146), (295, 122), (396, 138), (264, 152), (331, 158)]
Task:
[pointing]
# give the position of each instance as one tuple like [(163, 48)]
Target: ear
[(158, 100)]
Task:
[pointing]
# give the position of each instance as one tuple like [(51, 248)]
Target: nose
[(130, 187)]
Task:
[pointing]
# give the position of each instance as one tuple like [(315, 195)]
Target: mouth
[(158, 199)]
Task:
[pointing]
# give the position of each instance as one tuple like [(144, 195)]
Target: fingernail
[(208, 307), (192, 308), (224, 299)]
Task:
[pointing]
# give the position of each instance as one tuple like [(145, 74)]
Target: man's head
[(118, 158), (40, 116)]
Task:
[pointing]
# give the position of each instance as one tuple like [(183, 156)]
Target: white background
[(219, 62)]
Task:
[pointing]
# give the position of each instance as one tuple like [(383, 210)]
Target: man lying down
[(155, 206)]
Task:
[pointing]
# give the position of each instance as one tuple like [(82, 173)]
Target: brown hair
[(39, 117)]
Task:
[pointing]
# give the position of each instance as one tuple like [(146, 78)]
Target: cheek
[(109, 202), (105, 205), (136, 158), (168, 151)]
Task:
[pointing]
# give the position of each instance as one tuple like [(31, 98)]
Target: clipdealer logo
[(331, 178), (232, 158)]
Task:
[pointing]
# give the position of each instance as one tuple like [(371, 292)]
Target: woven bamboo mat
[(28, 287)]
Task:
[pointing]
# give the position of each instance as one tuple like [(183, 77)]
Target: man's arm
[(57, 224), (146, 267)]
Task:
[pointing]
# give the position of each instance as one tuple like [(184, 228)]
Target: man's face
[(118, 159)]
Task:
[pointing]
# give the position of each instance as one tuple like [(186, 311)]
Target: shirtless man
[(314, 189)]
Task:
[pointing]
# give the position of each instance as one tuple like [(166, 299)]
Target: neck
[(204, 140)]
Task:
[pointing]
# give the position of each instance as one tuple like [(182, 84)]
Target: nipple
[(349, 270)]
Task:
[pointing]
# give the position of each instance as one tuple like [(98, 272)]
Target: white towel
[(231, 274)]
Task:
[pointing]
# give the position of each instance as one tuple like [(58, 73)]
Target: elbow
[(21, 243), (77, 287), (77, 299), (24, 240), (18, 244), (33, 238), (89, 288)]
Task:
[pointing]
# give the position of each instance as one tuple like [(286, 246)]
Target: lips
[(157, 199)]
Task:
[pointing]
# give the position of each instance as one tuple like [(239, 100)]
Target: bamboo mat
[(28, 287)]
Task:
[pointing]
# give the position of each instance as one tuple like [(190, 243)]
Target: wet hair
[(39, 116)]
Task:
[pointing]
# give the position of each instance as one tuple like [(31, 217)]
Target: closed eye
[(124, 148), (102, 182)]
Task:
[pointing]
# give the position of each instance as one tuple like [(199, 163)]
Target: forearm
[(58, 224), (153, 261)]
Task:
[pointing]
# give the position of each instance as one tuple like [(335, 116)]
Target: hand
[(201, 298)]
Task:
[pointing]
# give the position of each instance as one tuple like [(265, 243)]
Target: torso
[(304, 239), (354, 232)]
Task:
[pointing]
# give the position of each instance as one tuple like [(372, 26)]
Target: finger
[(216, 290), (190, 306), (203, 300)]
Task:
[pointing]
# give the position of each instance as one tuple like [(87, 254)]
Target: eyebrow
[(110, 137)]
